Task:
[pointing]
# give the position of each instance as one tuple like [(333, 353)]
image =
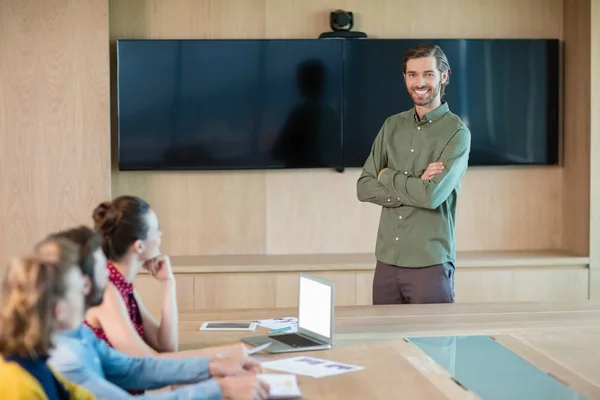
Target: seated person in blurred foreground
[(87, 360), (39, 299)]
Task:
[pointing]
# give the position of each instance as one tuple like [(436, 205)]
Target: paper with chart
[(280, 323), (283, 386), (310, 366)]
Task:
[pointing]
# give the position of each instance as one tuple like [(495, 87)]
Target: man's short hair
[(86, 239)]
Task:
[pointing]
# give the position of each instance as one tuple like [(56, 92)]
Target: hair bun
[(106, 218)]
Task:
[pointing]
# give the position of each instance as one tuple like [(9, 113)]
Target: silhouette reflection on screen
[(308, 137)]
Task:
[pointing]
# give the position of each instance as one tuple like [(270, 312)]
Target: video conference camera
[(341, 23)]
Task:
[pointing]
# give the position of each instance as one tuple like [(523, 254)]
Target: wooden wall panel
[(317, 211), (422, 19), (54, 117), (595, 150), (498, 209), (205, 213), (522, 284), (576, 175), (280, 289)]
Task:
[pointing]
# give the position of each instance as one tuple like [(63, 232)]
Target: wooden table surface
[(561, 339)]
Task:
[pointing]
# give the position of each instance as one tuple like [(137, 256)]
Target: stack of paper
[(280, 323), (310, 366), (283, 386)]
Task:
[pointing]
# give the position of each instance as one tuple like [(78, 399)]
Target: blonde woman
[(39, 299)]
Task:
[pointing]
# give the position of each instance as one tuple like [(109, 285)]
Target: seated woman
[(132, 239), (39, 300)]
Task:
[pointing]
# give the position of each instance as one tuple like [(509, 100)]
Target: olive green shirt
[(416, 227)]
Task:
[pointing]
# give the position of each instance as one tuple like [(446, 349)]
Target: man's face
[(96, 295), (424, 80), (69, 311)]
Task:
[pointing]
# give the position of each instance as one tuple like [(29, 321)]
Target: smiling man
[(413, 172)]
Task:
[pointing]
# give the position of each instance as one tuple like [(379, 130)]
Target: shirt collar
[(432, 115), (73, 333), (117, 279)]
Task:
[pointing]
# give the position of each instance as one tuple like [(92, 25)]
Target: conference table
[(558, 340)]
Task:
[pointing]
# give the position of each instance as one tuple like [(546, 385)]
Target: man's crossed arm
[(388, 188), (438, 181), (368, 187)]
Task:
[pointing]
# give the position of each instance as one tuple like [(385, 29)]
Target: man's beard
[(423, 99), (95, 297)]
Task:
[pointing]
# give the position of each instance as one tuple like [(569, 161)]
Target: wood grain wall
[(55, 151), (54, 117), (576, 173), (594, 75), (288, 212)]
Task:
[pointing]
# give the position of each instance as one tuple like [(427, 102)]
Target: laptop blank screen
[(314, 311)]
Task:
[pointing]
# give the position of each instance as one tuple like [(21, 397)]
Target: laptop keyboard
[(294, 340)]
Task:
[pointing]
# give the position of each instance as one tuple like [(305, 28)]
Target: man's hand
[(233, 366), (250, 365), (381, 172), (432, 170), (247, 387)]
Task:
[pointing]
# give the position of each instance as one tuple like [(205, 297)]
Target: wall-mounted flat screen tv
[(505, 90), (229, 104), (318, 103)]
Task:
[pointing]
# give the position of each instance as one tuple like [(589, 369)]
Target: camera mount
[(341, 23)]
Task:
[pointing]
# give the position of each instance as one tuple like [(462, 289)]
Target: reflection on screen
[(229, 104), (314, 312)]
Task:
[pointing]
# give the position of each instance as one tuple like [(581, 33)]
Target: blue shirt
[(107, 373), (38, 368)]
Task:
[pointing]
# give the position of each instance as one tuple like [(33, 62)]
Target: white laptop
[(316, 307)]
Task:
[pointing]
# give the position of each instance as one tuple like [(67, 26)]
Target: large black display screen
[(318, 103), (229, 104), (506, 92)]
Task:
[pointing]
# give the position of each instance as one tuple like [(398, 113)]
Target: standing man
[(414, 171)]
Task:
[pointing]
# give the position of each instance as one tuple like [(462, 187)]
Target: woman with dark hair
[(40, 299), (132, 239)]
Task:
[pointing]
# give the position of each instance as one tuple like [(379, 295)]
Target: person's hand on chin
[(160, 268)]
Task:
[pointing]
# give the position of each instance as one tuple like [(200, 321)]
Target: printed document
[(310, 366)]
